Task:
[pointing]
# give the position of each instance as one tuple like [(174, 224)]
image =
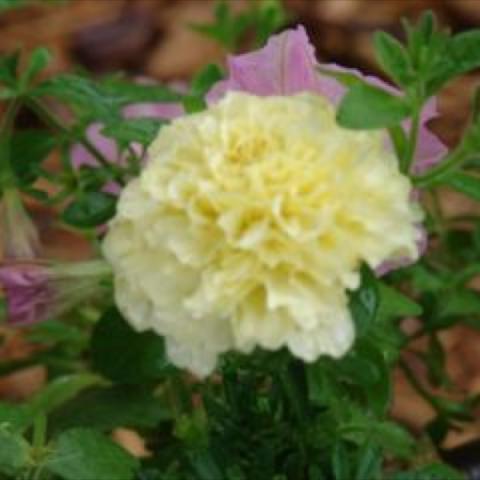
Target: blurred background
[(154, 38)]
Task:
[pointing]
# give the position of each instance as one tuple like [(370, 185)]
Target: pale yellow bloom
[(248, 225)]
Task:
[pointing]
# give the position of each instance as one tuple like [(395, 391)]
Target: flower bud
[(36, 291), (18, 233)]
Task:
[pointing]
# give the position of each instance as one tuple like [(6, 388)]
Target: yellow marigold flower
[(248, 225)]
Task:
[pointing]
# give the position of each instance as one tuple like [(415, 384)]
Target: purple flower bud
[(17, 231), (36, 291)]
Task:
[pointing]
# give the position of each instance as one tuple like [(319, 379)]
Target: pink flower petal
[(285, 66)]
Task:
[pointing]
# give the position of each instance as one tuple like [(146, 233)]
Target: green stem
[(7, 177), (412, 143), (39, 432), (449, 163)]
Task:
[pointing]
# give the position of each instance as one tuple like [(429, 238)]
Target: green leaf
[(8, 69), (101, 100), (56, 332), (459, 302), (39, 59), (340, 462), (420, 35), (107, 408), (134, 130), (28, 150), (393, 58), (369, 463), (205, 79), (16, 417), (201, 84), (204, 465), (90, 210), (364, 301), (365, 107), (14, 452), (270, 18), (434, 471), (123, 92), (464, 183), (394, 304), (386, 434), (465, 52), (400, 142), (10, 4), (227, 29), (126, 356), (83, 454)]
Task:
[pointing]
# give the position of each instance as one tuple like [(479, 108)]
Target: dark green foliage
[(125, 356)]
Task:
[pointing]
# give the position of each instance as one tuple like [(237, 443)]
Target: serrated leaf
[(90, 210), (84, 454), (365, 107), (126, 356)]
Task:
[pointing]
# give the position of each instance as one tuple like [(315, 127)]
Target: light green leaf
[(365, 107)]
